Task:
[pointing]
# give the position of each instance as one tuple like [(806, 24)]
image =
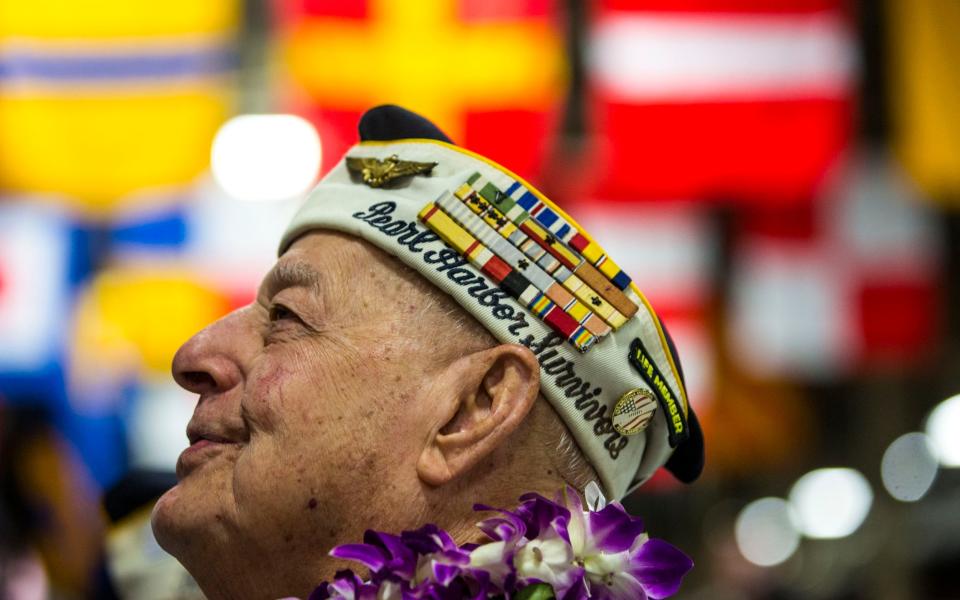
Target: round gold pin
[(634, 411)]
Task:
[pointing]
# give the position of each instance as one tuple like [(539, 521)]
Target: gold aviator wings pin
[(377, 172)]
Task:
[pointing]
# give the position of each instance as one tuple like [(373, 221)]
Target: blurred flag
[(724, 100), (894, 246), (99, 99), (823, 290), (161, 228), (925, 91), (129, 321), (232, 244), (34, 265), (791, 309), (490, 74)]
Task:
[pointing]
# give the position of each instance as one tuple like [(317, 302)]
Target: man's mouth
[(203, 446), (196, 436)]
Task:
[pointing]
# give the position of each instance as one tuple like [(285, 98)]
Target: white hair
[(572, 465)]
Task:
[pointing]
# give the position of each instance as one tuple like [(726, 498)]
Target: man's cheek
[(265, 395), (280, 378), (268, 473)]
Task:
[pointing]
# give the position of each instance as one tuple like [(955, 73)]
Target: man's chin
[(185, 518), (168, 520)]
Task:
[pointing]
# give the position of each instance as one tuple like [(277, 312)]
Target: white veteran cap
[(529, 274)]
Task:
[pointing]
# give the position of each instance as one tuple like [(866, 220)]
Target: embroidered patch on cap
[(634, 411), (669, 402)]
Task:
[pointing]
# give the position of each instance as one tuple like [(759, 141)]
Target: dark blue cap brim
[(389, 122)]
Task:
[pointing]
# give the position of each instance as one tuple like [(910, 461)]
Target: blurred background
[(781, 178)]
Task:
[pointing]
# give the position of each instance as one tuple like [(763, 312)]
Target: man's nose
[(211, 361)]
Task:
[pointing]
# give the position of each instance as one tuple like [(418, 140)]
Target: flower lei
[(541, 550)]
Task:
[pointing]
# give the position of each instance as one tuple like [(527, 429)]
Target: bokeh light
[(766, 532), (908, 467), (265, 157), (831, 503), (943, 427)]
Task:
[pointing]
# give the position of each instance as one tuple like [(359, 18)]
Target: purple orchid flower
[(440, 559), (460, 588), (387, 557), (531, 545), (493, 561), (345, 586), (547, 555), (538, 513), (508, 527), (548, 559), (619, 559)]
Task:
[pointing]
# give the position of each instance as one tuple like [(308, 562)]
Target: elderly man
[(435, 333)]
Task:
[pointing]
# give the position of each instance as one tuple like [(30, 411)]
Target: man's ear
[(479, 401)]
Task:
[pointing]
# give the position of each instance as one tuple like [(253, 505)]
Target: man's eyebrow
[(292, 274)]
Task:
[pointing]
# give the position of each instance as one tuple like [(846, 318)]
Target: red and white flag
[(742, 101), (824, 290)]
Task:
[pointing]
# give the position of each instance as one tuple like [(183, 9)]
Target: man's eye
[(279, 312)]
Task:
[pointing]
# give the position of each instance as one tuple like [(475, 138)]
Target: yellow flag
[(925, 91), (132, 320), (104, 98)]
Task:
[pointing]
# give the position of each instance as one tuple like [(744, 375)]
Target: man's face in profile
[(306, 408)]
